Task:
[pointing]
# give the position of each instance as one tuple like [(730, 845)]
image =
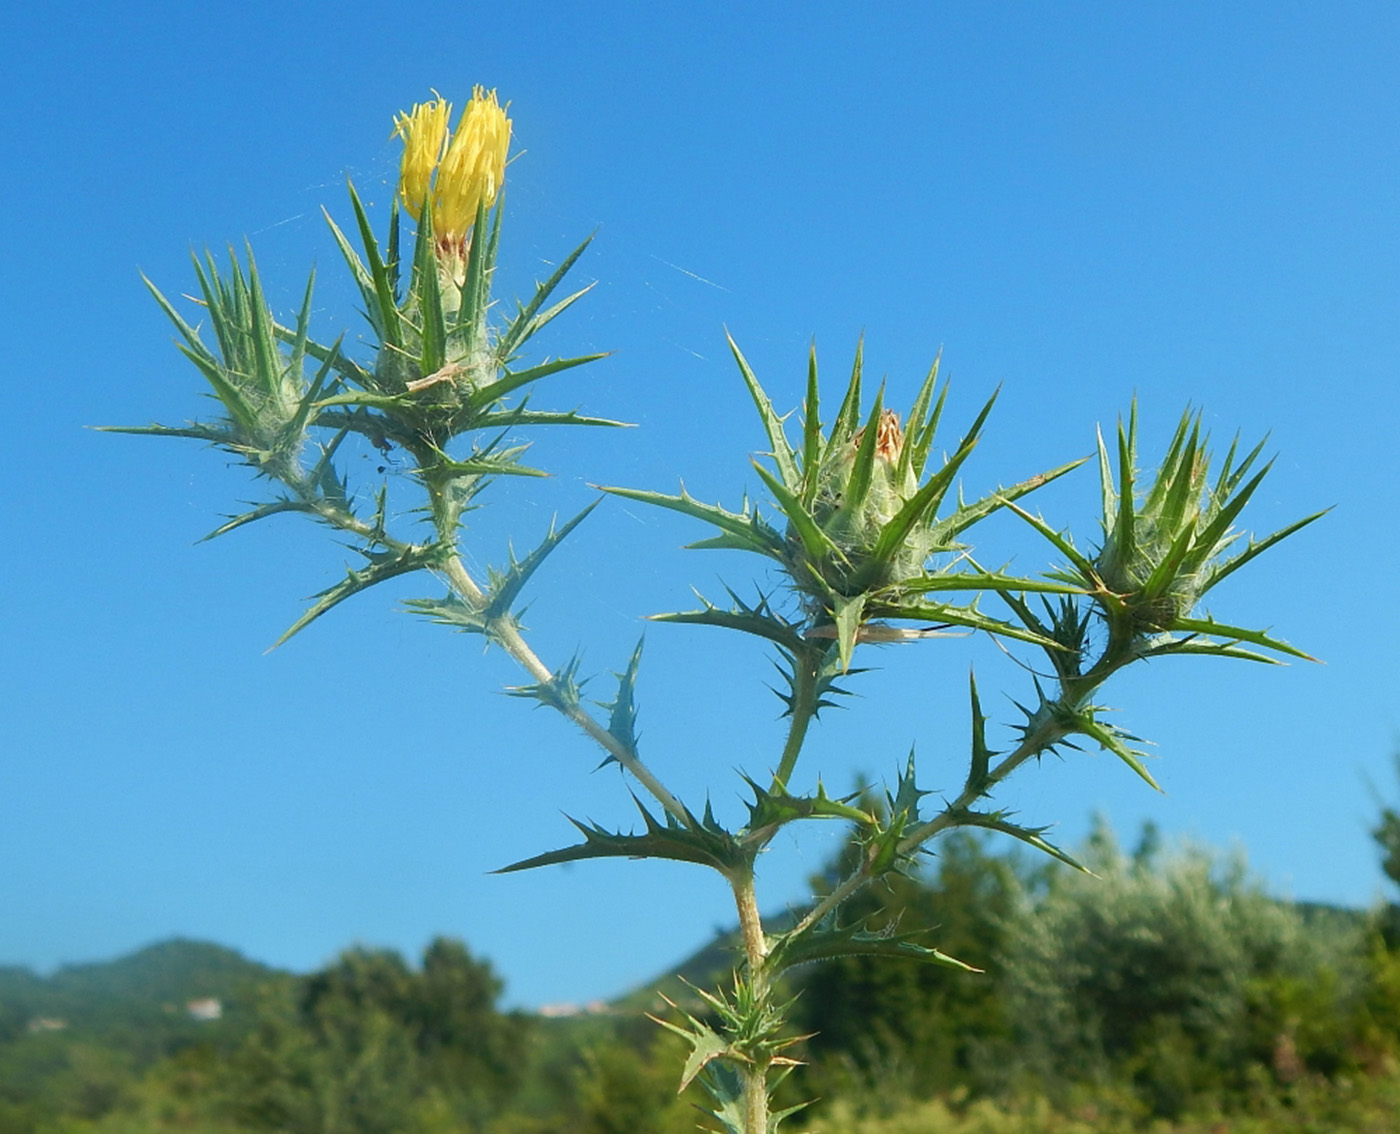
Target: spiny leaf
[(1114, 740), (1208, 625), (918, 509), (946, 530), (772, 808), (347, 368), (475, 291), (826, 942), (210, 433), (921, 425), (1257, 547), (780, 450), (985, 581), (1123, 529), (726, 1089), (382, 565), (907, 795), (509, 419), (699, 842), (262, 511), (817, 543), (863, 467), (759, 620), (1031, 836), (622, 710), (452, 611), (492, 393), (562, 690), (385, 303), (811, 433), (524, 324), (432, 334), (844, 427), (506, 587), (981, 754), (386, 329), (1061, 543), (847, 619), (747, 529), (968, 616), (706, 1044)]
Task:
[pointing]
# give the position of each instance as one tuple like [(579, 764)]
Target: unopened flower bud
[(853, 519)]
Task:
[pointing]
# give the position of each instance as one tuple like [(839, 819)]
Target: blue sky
[(1080, 202)]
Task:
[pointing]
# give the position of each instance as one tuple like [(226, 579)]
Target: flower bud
[(853, 518)]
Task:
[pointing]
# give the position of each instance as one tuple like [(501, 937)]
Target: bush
[(1185, 980)]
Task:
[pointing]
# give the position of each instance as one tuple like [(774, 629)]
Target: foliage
[(78, 1039), (1386, 833), (884, 1028), (1182, 981), (370, 1044), (1363, 1106), (1171, 996)]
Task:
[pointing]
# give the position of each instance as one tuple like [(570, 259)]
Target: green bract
[(862, 543), (443, 386), (1163, 548)]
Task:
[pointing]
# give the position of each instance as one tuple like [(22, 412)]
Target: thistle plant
[(865, 526)]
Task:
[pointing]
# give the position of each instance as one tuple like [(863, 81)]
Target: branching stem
[(507, 633), (1034, 744), (802, 710)]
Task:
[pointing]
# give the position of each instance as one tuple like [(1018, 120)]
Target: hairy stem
[(755, 1077), (1031, 746), (802, 710), (756, 1100), (505, 631)]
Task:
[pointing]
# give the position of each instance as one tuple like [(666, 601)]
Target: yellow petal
[(424, 133), (474, 166)]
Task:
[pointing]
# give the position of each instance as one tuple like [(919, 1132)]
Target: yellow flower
[(470, 163), (474, 167), (424, 133)]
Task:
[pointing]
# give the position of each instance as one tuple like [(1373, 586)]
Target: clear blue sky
[(1079, 201)]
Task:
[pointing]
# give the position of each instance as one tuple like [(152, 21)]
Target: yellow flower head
[(474, 167), (470, 163), (424, 133)]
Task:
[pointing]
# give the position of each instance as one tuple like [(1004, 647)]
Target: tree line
[(1170, 989)]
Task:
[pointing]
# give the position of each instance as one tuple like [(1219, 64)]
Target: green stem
[(507, 633), (503, 630), (806, 667), (754, 1077), (337, 517), (750, 926), (756, 1100), (1032, 745)]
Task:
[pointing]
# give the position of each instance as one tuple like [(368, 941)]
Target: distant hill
[(176, 970), (146, 993)]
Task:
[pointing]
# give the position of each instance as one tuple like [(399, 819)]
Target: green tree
[(887, 1028), (1178, 978), (371, 1046)]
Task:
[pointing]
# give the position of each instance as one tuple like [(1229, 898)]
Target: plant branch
[(753, 1075), (1034, 744), (507, 633), (802, 708)]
